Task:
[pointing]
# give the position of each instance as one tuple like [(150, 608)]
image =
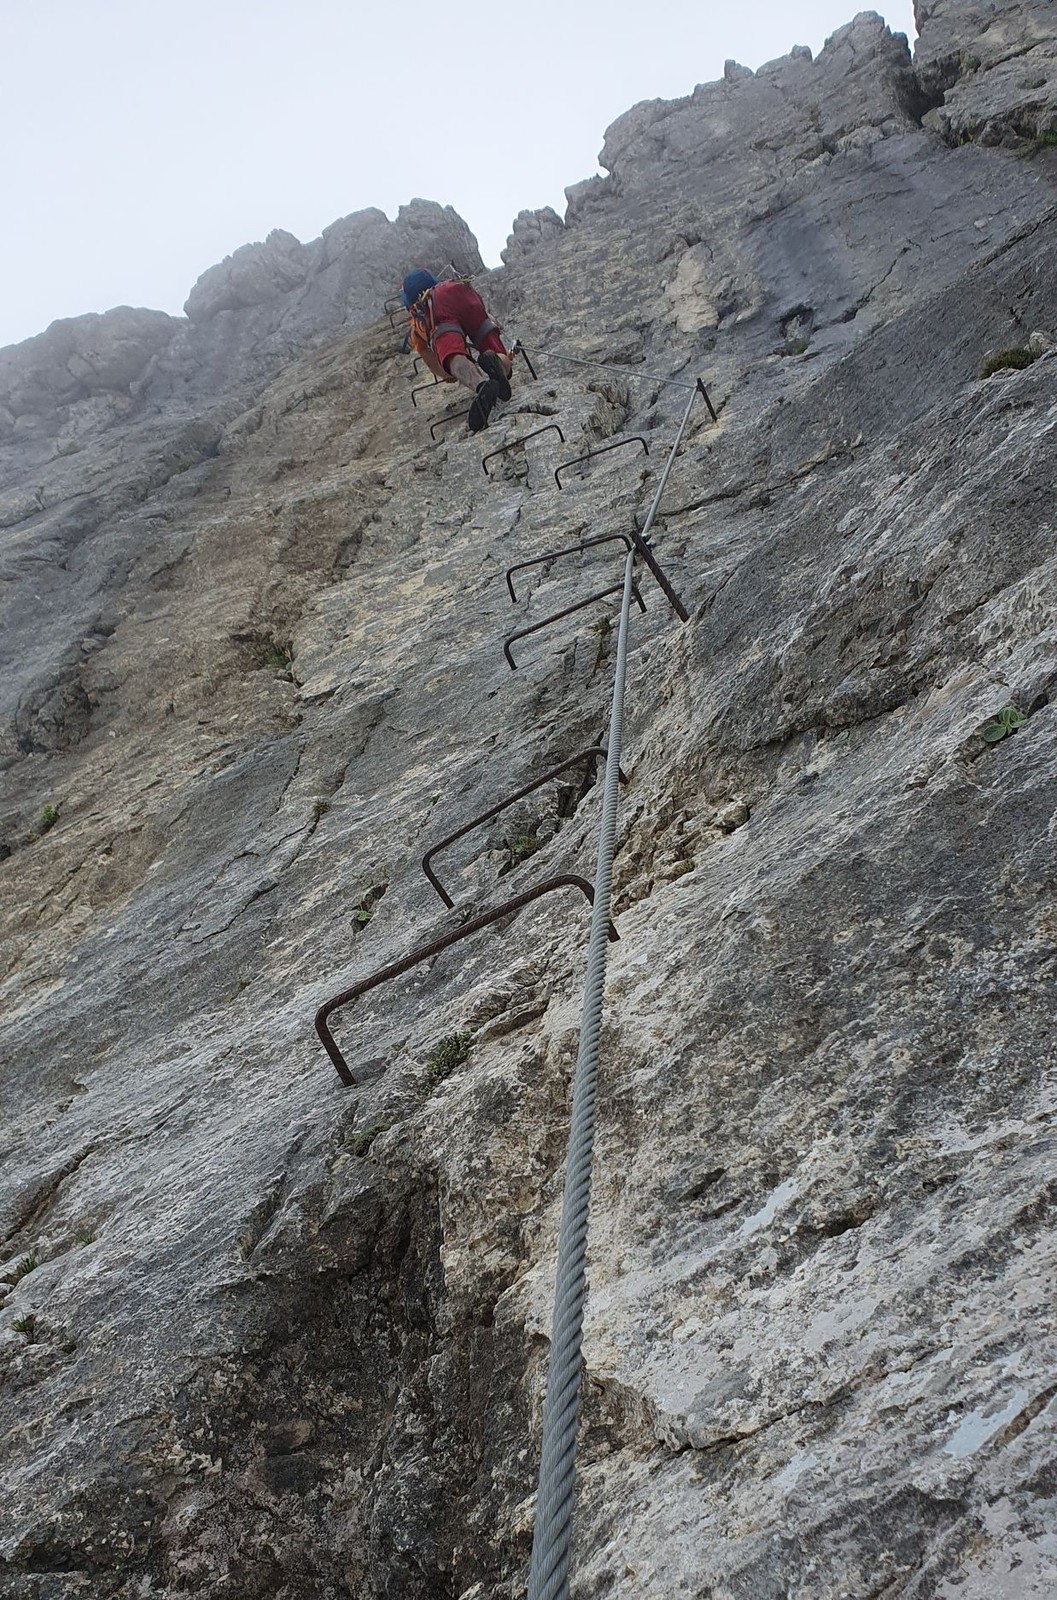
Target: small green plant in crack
[(278, 655), (795, 347), (603, 627), (320, 807), (1008, 720), (49, 816), (1043, 141), (1016, 358), (361, 1142), (443, 1059), (26, 1324), (263, 649), (28, 1264), (365, 909), (525, 845), (84, 1236)]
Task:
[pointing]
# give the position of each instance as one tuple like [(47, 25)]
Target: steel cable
[(552, 1536)]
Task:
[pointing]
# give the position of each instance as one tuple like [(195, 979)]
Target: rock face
[(993, 66), (264, 1336), (263, 305)]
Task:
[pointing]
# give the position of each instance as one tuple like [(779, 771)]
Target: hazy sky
[(143, 141)]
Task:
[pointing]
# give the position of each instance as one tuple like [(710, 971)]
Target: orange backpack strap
[(421, 314)]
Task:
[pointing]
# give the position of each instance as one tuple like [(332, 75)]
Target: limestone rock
[(989, 69), (81, 356), (255, 274), (529, 229), (262, 1335)]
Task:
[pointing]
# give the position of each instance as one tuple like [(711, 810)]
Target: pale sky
[(143, 141)]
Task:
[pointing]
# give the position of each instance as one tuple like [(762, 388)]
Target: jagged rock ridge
[(282, 1340)]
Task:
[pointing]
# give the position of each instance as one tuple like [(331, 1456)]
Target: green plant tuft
[(795, 347), (1016, 358), (525, 845), (450, 1053), (28, 1264), (49, 816), (320, 807), (366, 908), (361, 1142), (84, 1236), (1008, 720), (1042, 141), (26, 1324), (263, 649)]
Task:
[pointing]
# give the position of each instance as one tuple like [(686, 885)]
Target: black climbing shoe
[(491, 365), (484, 400)]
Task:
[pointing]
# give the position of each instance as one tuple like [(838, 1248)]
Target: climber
[(446, 318)]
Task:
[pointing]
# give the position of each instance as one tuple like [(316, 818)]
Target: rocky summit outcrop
[(263, 305), (263, 1336)]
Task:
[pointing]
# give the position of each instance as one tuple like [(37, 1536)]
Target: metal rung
[(601, 451), (552, 427), (566, 550), (453, 417), (592, 753), (422, 389), (523, 633), (397, 968)]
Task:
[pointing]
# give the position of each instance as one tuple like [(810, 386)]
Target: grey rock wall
[(263, 1336), (262, 306)]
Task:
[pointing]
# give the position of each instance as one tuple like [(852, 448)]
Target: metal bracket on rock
[(552, 427), (397, 968), (518, 349), (618, 444), (422, 389), (523, 633), (592, 753), (566, 550), (441, 421)]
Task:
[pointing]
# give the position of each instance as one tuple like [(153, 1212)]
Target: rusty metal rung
[(452, 417), (619, 444), (551, 427), (422, 389), (523, 633), (397, 968), (593, 752), (566, 550)]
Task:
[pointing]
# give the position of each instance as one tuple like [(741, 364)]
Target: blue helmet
[(417, 283)]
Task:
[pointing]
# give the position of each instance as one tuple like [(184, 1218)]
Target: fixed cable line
[(552, 1535), (551, 1541), (608, 366)]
